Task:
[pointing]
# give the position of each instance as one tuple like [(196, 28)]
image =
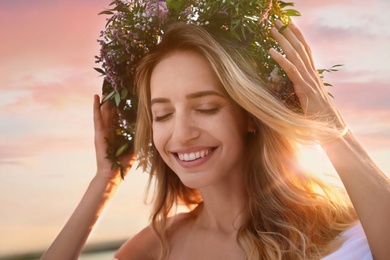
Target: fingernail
[(279, 23), (272, 51)]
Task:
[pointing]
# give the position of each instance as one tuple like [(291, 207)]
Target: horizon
[(48, 82)]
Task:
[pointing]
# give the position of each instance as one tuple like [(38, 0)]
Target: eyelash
[(161, 118), (210, 111)]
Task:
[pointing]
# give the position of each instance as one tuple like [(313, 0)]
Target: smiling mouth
[(188, 157)]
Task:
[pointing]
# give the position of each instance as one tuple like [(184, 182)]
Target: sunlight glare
[(314, 160)]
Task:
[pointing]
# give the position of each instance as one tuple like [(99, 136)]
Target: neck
[(222, 208)]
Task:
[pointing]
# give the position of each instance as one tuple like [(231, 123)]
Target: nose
[(185, 129)]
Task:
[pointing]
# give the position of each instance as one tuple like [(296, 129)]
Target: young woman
[(216, 139)]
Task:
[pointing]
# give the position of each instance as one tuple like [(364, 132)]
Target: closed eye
[(209, 111), (162, 118)]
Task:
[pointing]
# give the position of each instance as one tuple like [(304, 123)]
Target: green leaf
[(284, 4), (124, 93), (243, 32), (114, 164), (234, 34), (109, 12), (283, 27), (117, 98), (122, 149), (106, 86), (101, 71), (250, 29), (335, 67), (112, 93), (122, 169), (292, 12)]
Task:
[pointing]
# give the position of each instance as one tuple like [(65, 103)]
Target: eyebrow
[(189, 96)]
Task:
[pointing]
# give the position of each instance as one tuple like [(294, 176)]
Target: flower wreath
[(136, 26)]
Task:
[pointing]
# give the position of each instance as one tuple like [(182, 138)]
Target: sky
[(47, 84)]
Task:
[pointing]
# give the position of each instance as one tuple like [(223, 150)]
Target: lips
[(187, 157)]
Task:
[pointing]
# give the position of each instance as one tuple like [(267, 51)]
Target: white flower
[(274, 76)]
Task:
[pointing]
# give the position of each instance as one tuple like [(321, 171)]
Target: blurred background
[(47, 82)]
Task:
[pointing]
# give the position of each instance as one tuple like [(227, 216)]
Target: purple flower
[(157, 8)]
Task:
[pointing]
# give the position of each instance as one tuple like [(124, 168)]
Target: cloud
[(46, 117), (47, 81), (70, 90), (353, 47), (45, 35), (349, 9), (353, 92), (339, 31), (47, 77), (18, 151)]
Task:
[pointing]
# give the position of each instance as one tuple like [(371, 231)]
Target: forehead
[(182, 73)]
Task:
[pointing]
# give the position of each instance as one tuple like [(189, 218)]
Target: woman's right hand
[(71, 239), (102, 117)]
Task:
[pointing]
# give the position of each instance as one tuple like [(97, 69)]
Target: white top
[(355, 246)]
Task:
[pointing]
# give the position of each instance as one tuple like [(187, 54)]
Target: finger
[(97, 116), (302, 39), (298, 56), (109, 114), (296, 44), (301, 86), (291, 71), (295, 62), (288, 49), (105, 111)]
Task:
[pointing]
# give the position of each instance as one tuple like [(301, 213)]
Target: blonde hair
[(285, 215)]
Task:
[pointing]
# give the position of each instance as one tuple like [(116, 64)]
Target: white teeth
[(193, 156)]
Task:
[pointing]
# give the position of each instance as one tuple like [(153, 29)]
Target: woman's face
[(198, 131)]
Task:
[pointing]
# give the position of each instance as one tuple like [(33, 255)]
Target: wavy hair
[(288, 213)]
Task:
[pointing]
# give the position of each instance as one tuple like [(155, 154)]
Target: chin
[(194, 181)]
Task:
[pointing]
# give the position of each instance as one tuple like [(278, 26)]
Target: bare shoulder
[(147, 245), (181, 221), (144, 245)]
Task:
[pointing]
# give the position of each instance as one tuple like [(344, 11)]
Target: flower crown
[(136, 26)]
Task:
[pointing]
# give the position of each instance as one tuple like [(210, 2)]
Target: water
[(103, 255), (108, 255)]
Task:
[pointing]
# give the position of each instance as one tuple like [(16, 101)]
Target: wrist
[(340, 136), (108, 184)]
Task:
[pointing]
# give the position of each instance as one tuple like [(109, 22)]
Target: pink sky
[(47, 83)]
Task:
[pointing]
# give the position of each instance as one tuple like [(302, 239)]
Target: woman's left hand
[(299, 67), (367, 187)]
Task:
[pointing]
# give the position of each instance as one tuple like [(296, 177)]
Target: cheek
[(237, 124), (159, 139)]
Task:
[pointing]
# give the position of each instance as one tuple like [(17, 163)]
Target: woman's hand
[(72, 237), (367, 187), (102, 117), (299, 67)]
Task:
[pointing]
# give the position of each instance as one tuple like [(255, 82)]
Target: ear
[(251, 124)]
